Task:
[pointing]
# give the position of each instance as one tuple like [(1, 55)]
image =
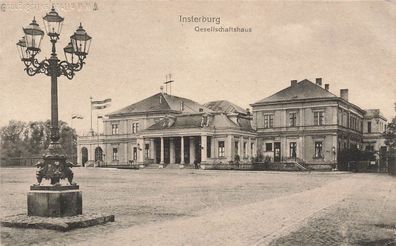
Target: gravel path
[(257, 223)]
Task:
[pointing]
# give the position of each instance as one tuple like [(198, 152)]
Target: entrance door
[(277, 152)]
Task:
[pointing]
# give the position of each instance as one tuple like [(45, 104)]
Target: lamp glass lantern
[(69, 53), (53, 23), (33, 37), (81, 42), (21, 47)]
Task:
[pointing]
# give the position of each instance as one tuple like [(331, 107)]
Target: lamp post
[(55, 165)]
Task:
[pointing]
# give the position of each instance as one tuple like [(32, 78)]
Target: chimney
[(327, 87), (200, 109), (248, 110), (293, 82), (319, 81), (162, 89), (344, 94)]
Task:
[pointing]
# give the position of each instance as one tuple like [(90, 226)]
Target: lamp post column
[(53, 63)]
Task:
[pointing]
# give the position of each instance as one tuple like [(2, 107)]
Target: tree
[(20, 139), (390, 134), (12, 136)]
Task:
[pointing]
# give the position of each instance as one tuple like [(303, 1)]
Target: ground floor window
[(318, 150), (236, 148), (268, 147), (134, 153), (244, 149), (251, 149), (209, 146), (293, 149), (221, 149), (146, 151), (115, 154)]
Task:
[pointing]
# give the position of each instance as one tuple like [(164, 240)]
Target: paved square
[(197, 207)]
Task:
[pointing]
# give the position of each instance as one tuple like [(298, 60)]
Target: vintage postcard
[(197, 122)]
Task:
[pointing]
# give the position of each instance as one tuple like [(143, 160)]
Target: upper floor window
[(369, 126), (293, 119), (221, 149), (114, 129), (268, 120), (318, 118), (135, 127)]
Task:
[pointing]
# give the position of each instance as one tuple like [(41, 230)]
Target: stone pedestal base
[(54, 203)]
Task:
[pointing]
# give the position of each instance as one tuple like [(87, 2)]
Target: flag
[(77, 116), (101, 104)]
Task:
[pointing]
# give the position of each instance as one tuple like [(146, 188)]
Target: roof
[(161, 102), (225, 107), (304, 89), (218, 121), (373, 113)]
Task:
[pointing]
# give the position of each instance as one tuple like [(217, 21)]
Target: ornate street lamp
[(54, 165)]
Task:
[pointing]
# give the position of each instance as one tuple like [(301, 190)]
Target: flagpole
[(91, 130)]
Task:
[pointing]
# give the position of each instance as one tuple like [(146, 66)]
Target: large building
[(165, 129), (304, 123)]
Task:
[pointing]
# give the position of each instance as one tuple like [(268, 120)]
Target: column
[(172, 151), (152, 149), (140, 153), (204, 147), (192, 150), (240, 147), (228, 148), (213, 147), (182, 150), (249, 148), (162, 151)]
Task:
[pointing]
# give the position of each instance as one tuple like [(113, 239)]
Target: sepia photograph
[(197, 122)]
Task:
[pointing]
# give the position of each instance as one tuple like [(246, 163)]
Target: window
[(146, 150), (268, 121), (209, 146), (293, 149), (318, 150), (221, 149), (135, 127), (114, 129), (318, 118), (251, 149), (268, 147), (244, 149), (134, 153), (115, 154), (369, 127), (292, 119)]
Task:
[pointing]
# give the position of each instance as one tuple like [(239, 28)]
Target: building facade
[(304, 123), (307, 123), (166, 129)]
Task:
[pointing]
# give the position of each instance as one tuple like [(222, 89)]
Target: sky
[(135, 44)]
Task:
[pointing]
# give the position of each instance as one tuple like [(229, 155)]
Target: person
[(196, 164)]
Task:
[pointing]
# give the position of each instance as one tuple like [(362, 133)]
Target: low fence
[(26, 161)]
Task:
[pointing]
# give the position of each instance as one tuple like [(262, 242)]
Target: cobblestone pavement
[(200, 207)]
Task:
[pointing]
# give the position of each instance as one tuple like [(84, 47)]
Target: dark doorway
[(277, 152), (98, 154), (84, 156)]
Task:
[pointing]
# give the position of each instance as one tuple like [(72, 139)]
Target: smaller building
[(374, 125)]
